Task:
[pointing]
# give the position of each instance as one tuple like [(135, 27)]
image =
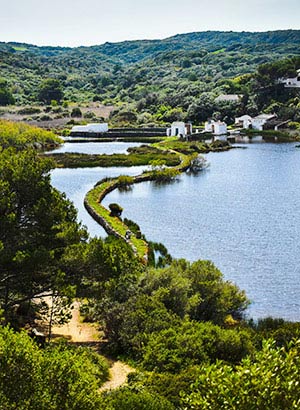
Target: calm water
[(108, 148), (242, 213), (75, 183)]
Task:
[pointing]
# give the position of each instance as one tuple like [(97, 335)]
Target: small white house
[(244, 121), (291, 82), (259, 121), (216, 127), (256, 123), (90, 128), (234, 98), (179, 128)]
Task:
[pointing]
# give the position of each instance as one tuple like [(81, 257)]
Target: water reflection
[(108, 148), (75, 183), (242, 213)]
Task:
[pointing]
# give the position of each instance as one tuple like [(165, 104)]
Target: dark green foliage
[(57, 378), (129, 325), (50, 89), (115, 209), (134, 227), (279, 330), (29, 110), (183, 74), (37, 223), (268, 381), (169, 385), (76, 112), (100, 263), (6, 97), (197, 289), (134, 399), (143, 312), (192, 343)]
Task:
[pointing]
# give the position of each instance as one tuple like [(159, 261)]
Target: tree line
[(163, 81)]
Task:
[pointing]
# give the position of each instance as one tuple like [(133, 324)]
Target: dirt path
[(79, 332), (118, 375), (76, 330)]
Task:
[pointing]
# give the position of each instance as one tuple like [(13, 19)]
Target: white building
[(235, 98), (244, 121), (216, 127), (291, 82), (179, 128), (258, 122), (90, 128)]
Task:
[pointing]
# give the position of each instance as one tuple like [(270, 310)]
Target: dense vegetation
[(181, 324), (53, 378), (21, 135), (159, 81)]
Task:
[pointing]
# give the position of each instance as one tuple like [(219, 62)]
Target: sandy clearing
[(76, 330), (79, 332)]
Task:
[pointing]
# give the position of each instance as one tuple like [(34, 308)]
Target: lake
[(242, 213), (117, 147)]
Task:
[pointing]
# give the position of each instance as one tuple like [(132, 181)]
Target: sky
[(90, 22)]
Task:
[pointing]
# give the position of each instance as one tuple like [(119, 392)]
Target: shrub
[(89, 114), (45, 117), (50, 89), (55, 378), (125, 180), (76, 112), (190, 344), (29, 110), (115, 209), (128, 399), (293, 125), (268, 381)]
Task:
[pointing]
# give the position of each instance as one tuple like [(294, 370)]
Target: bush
[(268, 381), (21, 135), (115, 209), (293, 125), (76, 112), (55, 378), (190, 344), (29, 110), (6, 97), (128, 399), (89, 114), (45, 117), (125, 180)]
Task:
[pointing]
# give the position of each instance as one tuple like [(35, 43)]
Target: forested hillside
[(151, 80)]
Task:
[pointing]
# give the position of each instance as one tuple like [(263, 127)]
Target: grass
[(221, 50), (139, 156), (116, 223), (18, 48)]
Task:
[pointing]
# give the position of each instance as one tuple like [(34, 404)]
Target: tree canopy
[(56, 378), (6, 97), (50, 89), (37, 224)]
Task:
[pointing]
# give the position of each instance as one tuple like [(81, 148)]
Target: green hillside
[(152, 80)]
